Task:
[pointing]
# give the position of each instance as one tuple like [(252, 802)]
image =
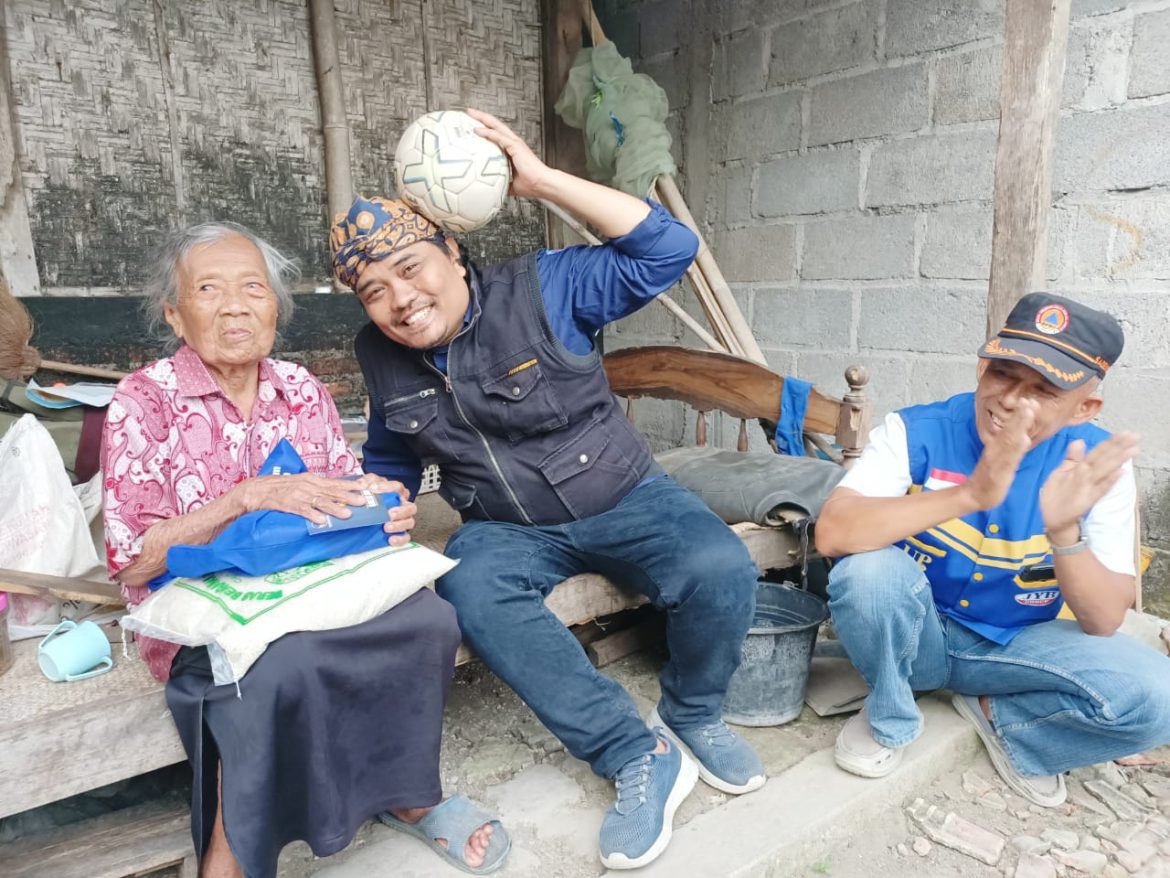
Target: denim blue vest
[(974, 562), (522, 429)]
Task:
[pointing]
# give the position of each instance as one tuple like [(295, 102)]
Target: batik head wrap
[(372, 230)]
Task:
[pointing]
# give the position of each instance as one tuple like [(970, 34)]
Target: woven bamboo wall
[(133, 116)]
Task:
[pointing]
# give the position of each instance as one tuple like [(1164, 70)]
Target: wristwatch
[(1075, 549)]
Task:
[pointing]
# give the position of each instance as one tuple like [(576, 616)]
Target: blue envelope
[(264, 542)]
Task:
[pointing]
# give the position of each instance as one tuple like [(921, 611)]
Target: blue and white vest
[(974, 562)]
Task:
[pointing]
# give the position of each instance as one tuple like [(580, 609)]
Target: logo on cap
[(1052, 319)]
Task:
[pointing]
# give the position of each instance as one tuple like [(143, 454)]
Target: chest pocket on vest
[(522, 403), (414, 417)]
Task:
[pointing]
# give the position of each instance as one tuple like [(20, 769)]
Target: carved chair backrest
[(709, 381)]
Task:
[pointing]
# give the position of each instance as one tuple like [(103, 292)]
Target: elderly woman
[(329, 727)]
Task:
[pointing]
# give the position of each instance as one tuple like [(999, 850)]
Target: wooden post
[(1035, 39), (564, 147), (17, 265), (338, 172)]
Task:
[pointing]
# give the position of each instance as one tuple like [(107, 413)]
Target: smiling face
[(418, 295), (1005, 385), (226, 309)]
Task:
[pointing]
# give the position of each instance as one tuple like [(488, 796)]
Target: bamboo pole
[(91, 371), (327, 63), (670, 304), (673, 199), (712, 312), (721, 308)]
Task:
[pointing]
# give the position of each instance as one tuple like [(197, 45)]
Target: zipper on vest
[(422, 394), (486, 445)]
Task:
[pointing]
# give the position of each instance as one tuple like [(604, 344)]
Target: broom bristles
[(18, 359)]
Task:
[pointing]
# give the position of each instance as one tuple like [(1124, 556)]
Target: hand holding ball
[(450, 174)]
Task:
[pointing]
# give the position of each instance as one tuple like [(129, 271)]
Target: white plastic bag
[(43, 527), (236, 617)]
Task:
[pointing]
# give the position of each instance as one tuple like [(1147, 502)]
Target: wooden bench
[(57, 740)]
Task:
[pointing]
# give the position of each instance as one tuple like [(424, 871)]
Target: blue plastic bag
[(263, 542)]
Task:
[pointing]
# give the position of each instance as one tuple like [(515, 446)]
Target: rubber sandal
[(455, 819)]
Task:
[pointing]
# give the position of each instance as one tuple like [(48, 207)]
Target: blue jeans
[(1060, 698), (661, 541)]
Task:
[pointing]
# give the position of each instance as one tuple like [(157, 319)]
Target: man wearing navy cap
[(986, 546)]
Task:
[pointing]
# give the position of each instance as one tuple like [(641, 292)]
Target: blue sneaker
[(637, 827), (726, 761)]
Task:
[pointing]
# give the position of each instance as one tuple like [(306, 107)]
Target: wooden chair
[(709, 381)]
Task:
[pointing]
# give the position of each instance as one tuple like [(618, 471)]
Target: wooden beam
[(562, 22), (66, 588), (334, 124), (18, 266), (1035, 40)]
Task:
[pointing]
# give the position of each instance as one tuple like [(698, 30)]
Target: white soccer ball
[(450, 174)]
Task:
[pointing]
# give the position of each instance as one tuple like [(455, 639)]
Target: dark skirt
[(329, 728)]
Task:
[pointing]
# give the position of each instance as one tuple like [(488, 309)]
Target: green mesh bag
[(622, 114)]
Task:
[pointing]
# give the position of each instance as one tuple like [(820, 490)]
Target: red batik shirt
[(173, 441)]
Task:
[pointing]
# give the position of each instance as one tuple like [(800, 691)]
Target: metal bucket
[(768, 687)]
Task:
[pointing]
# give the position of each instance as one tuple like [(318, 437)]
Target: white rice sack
[(236, 617)]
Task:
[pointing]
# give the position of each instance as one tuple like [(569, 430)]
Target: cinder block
[(922, 320), (735, 15), (932, 170), (891, 101), (740, 64), (1149, 74), (1124, 237), (1082, 8), (622, 29), (1154, 491), (760, 127), (1145, 318), (966, 86), (662, 25), (1139, 399), (1125, 148), (958, 243), (670, 72), (821, 181), (859, 248), (1097, 64), (803, 317), (737, 194), (889, 376), (652, 324), (916, 26), (836, 39), (757, 253), (934, 378)]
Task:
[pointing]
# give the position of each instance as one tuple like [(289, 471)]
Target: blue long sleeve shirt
[(583, 289)]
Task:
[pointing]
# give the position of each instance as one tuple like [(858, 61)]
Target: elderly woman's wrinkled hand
[(305, 494), (402, 516)]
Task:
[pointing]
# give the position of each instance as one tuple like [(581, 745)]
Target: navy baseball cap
[(1066, 342)]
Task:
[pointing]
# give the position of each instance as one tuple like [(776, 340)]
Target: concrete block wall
[(132, 117), (840, 157)]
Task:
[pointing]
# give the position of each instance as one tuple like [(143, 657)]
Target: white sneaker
[(858, 753)]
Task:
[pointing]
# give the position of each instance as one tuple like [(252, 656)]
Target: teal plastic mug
[(74, 652)]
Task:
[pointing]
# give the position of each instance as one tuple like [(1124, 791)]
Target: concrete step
[(554, 812)]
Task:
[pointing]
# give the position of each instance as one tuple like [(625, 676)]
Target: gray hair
[(162, 289)]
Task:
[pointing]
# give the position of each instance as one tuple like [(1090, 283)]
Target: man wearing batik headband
[(493, 375), (987, 547)]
